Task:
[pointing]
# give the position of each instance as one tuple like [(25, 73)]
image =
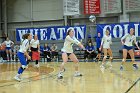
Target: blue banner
[(52, 33), (119, 30)]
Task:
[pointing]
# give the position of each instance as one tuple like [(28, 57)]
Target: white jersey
[(24, 46), (129, 39), (34, 43), (106, 41), (69, 41), (8, 43)]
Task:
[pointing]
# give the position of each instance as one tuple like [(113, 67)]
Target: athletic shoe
[(77, 74), (102, 66), (17, 78), (60, 76), (121, 67), (36, 65), (135, 66)]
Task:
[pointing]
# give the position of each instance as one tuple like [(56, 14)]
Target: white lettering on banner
[(21, 33), (136, 29), (36, 30), (126, 28), (52, 35), (31, 32), (105, 28), (61, 31), (43, 33), (80, 31), (117, 28)]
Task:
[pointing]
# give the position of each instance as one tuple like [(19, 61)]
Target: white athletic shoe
[(60, 76), (102, 66), (77, 74), (48, 56), (17, 78), (36, 65)]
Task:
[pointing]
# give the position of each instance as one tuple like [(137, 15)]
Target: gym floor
[(94, 79)]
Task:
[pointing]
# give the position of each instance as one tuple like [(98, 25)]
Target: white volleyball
[(92, 18)]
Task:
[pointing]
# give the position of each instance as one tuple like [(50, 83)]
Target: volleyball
[(92, 18)]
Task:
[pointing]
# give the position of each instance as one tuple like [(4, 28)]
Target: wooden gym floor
[(94, 79)]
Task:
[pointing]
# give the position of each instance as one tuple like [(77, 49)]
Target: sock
[(36, 62), (18, 75)]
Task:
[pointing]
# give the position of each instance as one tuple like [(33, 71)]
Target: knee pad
[(105, 57), (23, 67)]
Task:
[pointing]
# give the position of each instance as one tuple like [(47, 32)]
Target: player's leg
[(14, 55), (23, 65), (10, 52), (98, 57), (36, 57), (131, 53), (62, 69), (105, 56), (7, 54), (124, 58), (76, 64), (109, 51)]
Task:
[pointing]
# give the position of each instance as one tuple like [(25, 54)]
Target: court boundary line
[(132, 85)]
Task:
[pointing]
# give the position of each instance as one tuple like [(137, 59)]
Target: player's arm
[(79, 44), (102, 42), (136, 43), (38, 45), (111, 41), (27, 55), (122, 39), (12, 43), (75, 41)]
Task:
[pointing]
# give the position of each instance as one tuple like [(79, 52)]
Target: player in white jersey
[(67, 52), (127, 42), (8, 43), (21, 55), (35, 48), (105, 44)]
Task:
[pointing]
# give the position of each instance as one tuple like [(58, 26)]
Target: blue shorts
[(8, 48), (22, 58), (127, 47)]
